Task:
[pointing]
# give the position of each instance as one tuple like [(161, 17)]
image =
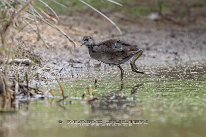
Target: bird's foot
[(135, 69), (132, 63)]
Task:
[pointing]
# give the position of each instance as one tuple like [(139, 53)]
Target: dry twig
[(50, 9), (102, 15), (117, 3), (60, 85)]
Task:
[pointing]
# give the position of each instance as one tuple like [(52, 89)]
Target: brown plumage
[(113, 52)]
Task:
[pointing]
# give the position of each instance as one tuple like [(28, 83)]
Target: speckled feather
[(114, 45), (113, 51)]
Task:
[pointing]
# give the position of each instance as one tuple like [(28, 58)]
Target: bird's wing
[(114, 45)]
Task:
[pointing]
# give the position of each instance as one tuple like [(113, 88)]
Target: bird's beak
[(82, 44)]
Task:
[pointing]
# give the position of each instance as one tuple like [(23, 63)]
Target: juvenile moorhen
[(113, 52)]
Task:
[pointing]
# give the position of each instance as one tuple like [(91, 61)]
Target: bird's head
[(88, 41)]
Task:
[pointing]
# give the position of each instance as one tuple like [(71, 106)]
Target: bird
[(114, 52)]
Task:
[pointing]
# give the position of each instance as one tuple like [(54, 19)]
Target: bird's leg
[(122, 71), (132, 62), (122, 85)]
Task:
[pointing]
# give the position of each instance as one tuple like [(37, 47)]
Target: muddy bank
[(162, 43)]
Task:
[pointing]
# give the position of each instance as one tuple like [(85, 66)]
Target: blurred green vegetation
[(130, 7)]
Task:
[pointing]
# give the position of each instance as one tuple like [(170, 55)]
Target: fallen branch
[(21, 61)]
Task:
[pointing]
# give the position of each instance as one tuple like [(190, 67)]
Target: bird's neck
[(90, 47), (90, 50)]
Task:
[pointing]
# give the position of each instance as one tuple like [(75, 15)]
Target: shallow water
[(170, 101)]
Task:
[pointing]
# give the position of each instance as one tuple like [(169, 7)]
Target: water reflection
[(115, 105), (174, 96)]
